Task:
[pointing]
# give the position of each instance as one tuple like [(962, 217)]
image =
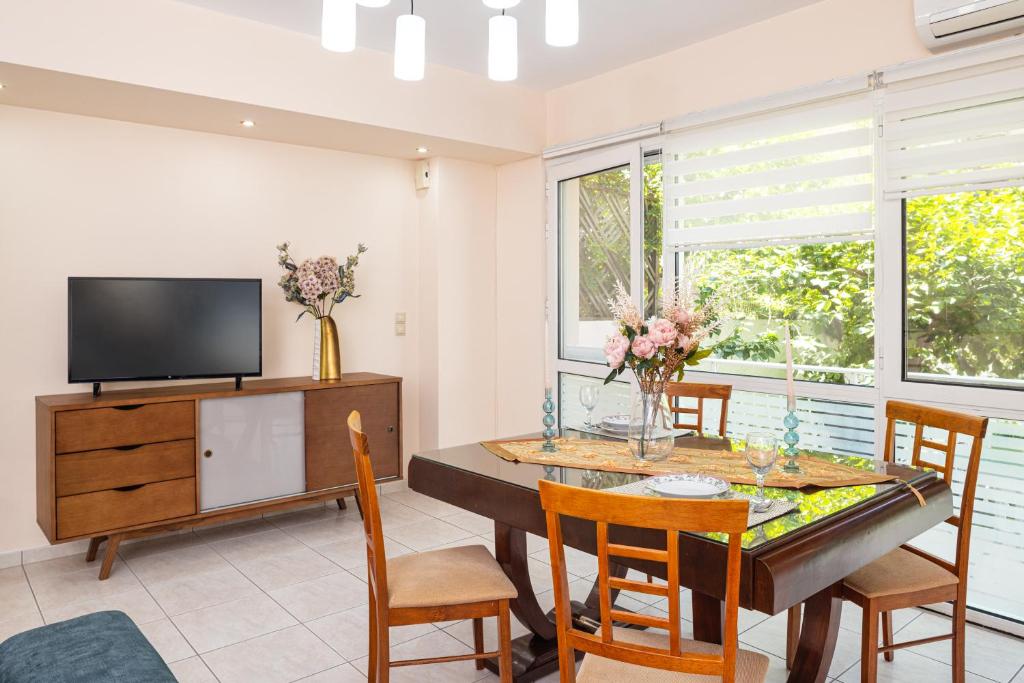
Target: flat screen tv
[(124, 328)]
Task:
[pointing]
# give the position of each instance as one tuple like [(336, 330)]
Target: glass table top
[(813, 505)]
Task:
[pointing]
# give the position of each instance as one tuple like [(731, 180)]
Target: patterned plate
[(687, 486), (619, 424)]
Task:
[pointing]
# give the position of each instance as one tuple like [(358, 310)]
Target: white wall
[(521, 271), (829, 39), (81, 196)]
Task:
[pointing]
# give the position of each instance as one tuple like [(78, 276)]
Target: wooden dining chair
[(614, 653), (423, 588), (908, 576), (701, 392)]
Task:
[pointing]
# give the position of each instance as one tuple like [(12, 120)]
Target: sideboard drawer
[(90, 513), (126, 466), (96, 428)]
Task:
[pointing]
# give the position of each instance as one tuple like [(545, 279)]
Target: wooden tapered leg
[(341, 504), (383, 648), (505, 642), (371, 676), (478, 641), (869, 644), (887, 634), (792, 634), (109, 556), (94, 546), (959, 633)]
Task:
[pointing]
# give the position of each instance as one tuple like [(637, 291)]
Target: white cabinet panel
[(251, 448)]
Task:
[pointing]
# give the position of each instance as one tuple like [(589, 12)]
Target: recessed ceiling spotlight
[(248, 123), (2, 86), (422, 150), (501, 4)]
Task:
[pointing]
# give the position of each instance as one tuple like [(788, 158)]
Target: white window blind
[(954, 133), (802, 174)]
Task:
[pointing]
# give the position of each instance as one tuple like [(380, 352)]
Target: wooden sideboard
[(131, 462)]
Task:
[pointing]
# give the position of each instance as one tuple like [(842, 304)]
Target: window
[(594, 241), (776, 214), (964, 288)]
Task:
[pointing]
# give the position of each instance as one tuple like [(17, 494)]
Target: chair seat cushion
[(452, 576), (751, 667), (103, 646), (901, 571)]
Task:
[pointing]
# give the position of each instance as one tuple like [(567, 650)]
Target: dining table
[(798, 559)]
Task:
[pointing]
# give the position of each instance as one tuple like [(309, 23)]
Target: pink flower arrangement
[(317, 284), (659, 349)]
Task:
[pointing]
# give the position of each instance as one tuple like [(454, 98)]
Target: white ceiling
[(613, 33)]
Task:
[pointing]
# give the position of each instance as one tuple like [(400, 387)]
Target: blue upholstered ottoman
[(104, 646)]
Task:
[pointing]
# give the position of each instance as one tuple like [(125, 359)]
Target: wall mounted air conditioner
[(942, 23)]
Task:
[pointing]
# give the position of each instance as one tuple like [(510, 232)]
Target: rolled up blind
[(954, 133), (802, 174)]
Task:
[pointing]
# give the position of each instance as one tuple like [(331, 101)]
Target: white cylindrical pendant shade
[(338, 30), (503, 48), (562, 22), (410, 47)]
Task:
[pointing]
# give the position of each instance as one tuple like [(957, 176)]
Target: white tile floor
[(284, 599)]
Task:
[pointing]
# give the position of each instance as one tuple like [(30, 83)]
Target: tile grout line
[(32, 590)]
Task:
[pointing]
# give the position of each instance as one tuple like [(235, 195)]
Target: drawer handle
[(390, 428), (129, 448), (134, 487), (134, 407)]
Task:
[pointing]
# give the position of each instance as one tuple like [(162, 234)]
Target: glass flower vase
[(650, 433)]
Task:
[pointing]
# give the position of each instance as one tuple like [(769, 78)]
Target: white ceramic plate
[(615, 423), (688, 486)]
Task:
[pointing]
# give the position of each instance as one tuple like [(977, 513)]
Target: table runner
[(779, 506), (614, 456)]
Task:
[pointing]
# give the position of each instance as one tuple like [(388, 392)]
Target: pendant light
[(503, 48), (410, 45), (562, 22), (338, 30)]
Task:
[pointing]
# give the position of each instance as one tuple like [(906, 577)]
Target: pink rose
[(685, 343), (683, 317), (661, 332), (615, 349), (643, 347)]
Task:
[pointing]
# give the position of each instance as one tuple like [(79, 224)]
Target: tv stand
[(136, 462), (95, 389)]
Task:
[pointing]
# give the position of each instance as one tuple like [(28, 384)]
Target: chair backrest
[(677, 390), (952, 423), (671, 516), (375, 558)]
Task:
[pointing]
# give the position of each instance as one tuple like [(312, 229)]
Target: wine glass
[(589, 396), (761, 451)]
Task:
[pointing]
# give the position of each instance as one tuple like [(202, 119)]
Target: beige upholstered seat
[(751, 667), (899, 572), (452, 576)]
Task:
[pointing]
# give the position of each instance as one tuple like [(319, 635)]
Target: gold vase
[(330, 352)]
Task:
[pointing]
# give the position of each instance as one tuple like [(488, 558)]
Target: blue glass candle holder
[(791, 422), (549, 423)]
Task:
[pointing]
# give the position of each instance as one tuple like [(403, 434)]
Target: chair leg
[(371, 675), (383, 650), (792, 634), (869, 644), (504, 643), (959, 634), (478, 641), (887, 634)]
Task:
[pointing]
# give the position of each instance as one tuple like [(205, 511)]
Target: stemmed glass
[(589, 396), (761, 452)]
